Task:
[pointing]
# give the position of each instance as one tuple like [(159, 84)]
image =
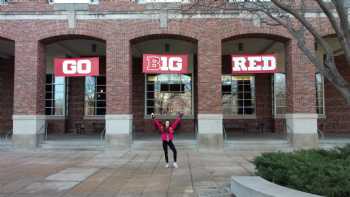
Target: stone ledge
[(301, 116), (243, 186), (210, 116), (28, 117), (118, 117)]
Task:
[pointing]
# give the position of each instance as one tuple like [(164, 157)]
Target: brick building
[(294, 101)]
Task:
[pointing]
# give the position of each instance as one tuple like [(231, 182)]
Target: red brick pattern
[(118, 35), (337, 111)]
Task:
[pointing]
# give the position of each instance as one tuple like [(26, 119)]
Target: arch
[(52, 39), (163, 36), (259, 35)]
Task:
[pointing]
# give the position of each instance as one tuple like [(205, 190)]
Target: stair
[(157, 145), (332, 143), (6, 144), (81, 145), (258, 145)]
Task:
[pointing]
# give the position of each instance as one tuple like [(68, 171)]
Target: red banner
[(74, 67), (249, 64), (165, 64)]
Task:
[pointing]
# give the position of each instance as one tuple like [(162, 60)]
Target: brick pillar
[(301, 117), (210, 118), (29, 94), (119, 93)]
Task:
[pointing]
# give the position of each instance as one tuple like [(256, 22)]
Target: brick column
[(210, 118), (29, 94), (119, 95), (301, 117)]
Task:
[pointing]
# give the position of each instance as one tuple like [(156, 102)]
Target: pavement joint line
[(113, 170)]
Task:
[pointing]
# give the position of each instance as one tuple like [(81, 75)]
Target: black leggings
[(172, 147)]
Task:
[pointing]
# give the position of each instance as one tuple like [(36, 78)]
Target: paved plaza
[(37, 173)]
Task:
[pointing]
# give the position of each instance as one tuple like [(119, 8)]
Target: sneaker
[(167, 165), (175, 165)]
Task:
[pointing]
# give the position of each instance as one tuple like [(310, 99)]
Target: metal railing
[(103, 134), (44, 127)]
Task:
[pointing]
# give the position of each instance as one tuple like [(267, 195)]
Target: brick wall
[(118, 34), (337, 111), (6, 94)]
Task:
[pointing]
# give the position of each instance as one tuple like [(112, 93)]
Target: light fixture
[(94, 48)]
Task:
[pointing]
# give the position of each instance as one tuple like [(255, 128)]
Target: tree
[(291, 14)]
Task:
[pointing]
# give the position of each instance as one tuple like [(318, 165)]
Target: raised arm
[(177, 121), (157, 123)]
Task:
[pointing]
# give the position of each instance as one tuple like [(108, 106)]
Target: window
[(162, 1), (279, 93), (238, 95), (95, 95), (320, 94), (73, 1), (3, 2), (55, 95), (241, 1), (167, 94)]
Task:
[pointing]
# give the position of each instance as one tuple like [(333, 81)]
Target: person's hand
[(152, 115)]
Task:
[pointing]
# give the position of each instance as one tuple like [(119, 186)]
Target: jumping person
[(167, 132)]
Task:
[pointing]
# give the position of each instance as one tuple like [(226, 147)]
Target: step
[(157, 144), (94, 145), (258, 145), (6, 145), (332, 143)]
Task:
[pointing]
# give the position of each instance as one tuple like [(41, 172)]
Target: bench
[(246, 186)]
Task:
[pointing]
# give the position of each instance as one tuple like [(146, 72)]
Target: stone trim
[(301, 116), (28, 117), (210, 116), (119, 117)]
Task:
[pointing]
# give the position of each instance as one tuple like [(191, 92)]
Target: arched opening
[(7, 62), (163, 94), (254, 103), (74, 105), (331, 107)]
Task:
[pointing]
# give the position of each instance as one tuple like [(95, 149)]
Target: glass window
[(238, 95), (279, 93), (95, 95), (162, 1), (55, 95), (73, 1), (320, 94), (167, 94)]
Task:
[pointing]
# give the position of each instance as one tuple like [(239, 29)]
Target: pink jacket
[(169, 134)]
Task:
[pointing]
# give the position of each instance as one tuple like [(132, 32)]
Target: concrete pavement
[(37, 173)]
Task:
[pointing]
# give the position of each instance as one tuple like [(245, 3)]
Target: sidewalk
[(111, 174)]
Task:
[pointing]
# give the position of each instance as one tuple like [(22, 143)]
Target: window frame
[(236, 107), (275, 113), (53, 99), (93, 2), (323, 114), (86, 107), (148, 116), (162, 1)]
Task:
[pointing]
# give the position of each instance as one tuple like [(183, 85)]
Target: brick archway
[(143, 127), (258, 117), (7, 63)]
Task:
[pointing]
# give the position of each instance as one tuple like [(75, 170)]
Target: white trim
[(302, 116), (118, 116), (146, 15), (28, 117)]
